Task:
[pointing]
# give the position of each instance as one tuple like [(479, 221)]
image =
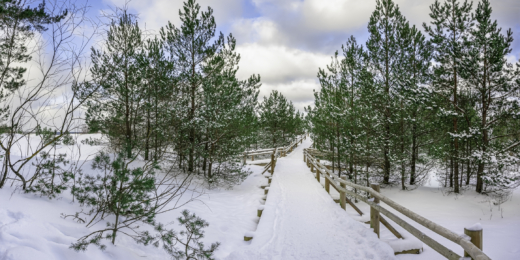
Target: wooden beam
[(411, 251), (392, 229)]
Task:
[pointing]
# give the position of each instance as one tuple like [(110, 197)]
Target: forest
[(128, 125), (408, 104)]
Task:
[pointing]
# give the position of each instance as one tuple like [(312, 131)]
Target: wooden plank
[(411, 251), (392, 229), (259, 164), (354, 206)]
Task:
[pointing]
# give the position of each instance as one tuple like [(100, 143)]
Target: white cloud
[(300, 92), (290, 71), (278, 64), (260, 30), (156, 13)]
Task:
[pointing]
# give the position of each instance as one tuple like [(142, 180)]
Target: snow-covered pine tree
[(115, 191), (496, 106), (159, 99), (416, 104), (384, 52), (51, 177), (331, 110), (353, 71), (449, 28), (214, 109), (228, 111), (116, 109), (277, 120), (193, 47)]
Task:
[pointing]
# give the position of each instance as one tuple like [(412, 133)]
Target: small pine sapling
[(186, 244), (51, 177), (118, 194), (190, 239)]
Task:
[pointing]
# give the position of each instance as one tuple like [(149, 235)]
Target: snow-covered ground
[(501, 223), (300, 221)]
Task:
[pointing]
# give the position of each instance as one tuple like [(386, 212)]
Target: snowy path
[(301, 221)]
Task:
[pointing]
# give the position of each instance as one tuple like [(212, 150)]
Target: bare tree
[(43, 91)]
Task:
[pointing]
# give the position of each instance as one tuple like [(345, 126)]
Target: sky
[(287, 41)]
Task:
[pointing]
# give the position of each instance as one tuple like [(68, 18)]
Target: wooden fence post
[(475, 233), (343, 195), (327, 184), (245, 158), (272, 164), (252, 157), (374, 214)]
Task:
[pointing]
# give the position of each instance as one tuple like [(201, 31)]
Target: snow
[(501, 223), (258, 161), (301, 221), (455, 212), (31, 228), (475, 227), (408, 243)]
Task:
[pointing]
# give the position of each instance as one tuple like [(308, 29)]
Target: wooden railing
[(277, 152), (331, 179)]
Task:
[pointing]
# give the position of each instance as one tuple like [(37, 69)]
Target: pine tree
[(159, 98), (51, 177), (192, 47), (332, 108), (493, 79), (353, 68), (117, 190), (416, 105), (228, 110), (384, 54), (277, 118), (116, 110), (449, 28)]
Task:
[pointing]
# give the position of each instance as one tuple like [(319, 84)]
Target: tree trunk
[(339, 158), (451, 172), (205, 159), (332, 149), (414, 156), (4, 171), (403, 172), (147, 144)]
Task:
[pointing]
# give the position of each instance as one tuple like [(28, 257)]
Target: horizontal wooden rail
[(468, 247), (278, 152)]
